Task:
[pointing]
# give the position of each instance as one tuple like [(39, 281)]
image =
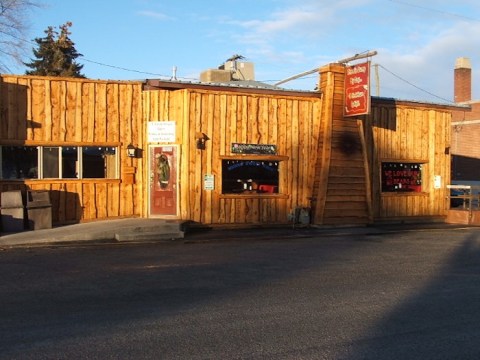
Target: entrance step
[(156, 231), (148, 236)]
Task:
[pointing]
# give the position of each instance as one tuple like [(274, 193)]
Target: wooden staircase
[(342, 186)]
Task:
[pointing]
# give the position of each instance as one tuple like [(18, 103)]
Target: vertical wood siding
[(291, 123), (348, 180), (327, 153), (409, 133), (60, 111)]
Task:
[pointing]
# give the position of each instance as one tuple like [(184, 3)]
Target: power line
[(122, 68), (415, 86), (436, 10), (99, 63)]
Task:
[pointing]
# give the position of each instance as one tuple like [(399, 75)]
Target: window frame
[(40, 148), (281, 159), (399, 192)]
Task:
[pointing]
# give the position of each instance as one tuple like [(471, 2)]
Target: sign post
[(357, 89)]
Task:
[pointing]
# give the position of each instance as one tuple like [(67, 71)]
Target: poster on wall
[(161, 131), (209, 182), (357, 89)]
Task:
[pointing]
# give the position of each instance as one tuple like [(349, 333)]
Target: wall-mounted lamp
[(131, 151), (201, 140)]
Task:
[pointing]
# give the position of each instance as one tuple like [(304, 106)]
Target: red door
[(163, 180)]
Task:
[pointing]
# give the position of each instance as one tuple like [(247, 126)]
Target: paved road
[(414, 295)]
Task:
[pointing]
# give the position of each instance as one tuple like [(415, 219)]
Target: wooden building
[(221, 154)]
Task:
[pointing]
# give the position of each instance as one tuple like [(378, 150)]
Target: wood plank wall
[(352, 149), (290, 122), (409, 132), (325, 155), (66, 111)]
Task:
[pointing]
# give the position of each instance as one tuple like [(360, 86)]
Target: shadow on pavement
[(437, 321)]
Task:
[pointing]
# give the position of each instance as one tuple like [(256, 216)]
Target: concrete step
[(149, 235), (168, 228)]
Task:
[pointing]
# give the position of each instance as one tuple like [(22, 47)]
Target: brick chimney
[(463, 80)]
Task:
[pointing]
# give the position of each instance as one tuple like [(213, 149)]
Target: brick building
[(465, 147)]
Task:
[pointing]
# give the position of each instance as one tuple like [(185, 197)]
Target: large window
[(58, 162), (401, 177), (247, 176)]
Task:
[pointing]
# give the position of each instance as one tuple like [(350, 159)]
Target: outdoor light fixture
[(201, 140), (131, 151)]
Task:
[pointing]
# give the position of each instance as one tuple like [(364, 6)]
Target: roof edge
[(155, 84), (394, 101)]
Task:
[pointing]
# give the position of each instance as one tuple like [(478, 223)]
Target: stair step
[(149, 236)]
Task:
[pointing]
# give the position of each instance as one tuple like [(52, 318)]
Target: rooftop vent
[(231, 70)]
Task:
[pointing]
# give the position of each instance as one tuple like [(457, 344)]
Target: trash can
[(12, 211), (39, 210)]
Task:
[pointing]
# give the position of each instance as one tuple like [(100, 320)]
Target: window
[(98, 162), (246, 176), (19, 162), (50, 165), (401, 177), (58, 162), (69, 162)]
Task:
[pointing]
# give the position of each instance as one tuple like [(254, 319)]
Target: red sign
[(357, 89)]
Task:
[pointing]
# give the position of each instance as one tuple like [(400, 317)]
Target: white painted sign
[(161, 131)]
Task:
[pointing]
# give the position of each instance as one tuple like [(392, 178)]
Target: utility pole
[(377, 80)]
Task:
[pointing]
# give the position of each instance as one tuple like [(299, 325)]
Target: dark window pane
[(244, 176), (69, 162), (50, 162), (19, 162), (99, 162)]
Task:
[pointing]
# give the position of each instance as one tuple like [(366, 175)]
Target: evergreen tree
[(56, 54)]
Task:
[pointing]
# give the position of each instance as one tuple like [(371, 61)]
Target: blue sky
[(417, 44)]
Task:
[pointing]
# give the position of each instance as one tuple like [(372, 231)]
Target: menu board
[(401, 177)]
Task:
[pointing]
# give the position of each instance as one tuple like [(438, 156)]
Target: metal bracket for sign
[(343, 61)]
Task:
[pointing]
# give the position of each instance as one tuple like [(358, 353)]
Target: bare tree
[(13, 25)]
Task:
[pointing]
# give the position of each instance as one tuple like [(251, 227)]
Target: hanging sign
[(357, 89)]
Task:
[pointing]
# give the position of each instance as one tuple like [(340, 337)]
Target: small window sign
[(209, 182)]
